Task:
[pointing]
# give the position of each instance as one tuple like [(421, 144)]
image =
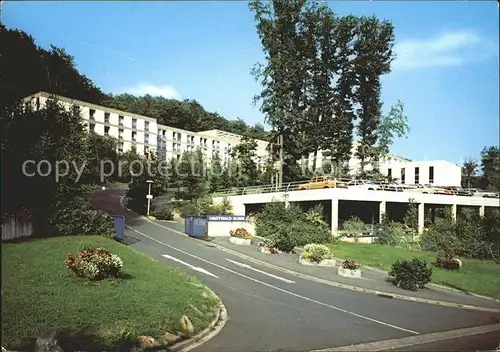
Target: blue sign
[(119, 224), (227, 218)]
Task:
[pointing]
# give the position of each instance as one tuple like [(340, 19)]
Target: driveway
[(269, 310)]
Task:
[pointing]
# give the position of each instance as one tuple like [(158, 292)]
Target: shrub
[(289, 226), (165, 212), (316, 252), (411, 275), (94, 263), (78, 218), (447, 261), (240, 233), (351, 264), (355, 226)]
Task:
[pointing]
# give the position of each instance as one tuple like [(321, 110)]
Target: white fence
[(16, 227)]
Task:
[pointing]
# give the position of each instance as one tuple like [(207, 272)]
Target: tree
[(244, 155), (373, 57), (192, 174), (143, 170), (469, 168), (490, 164), (215, 173), (52, 138)]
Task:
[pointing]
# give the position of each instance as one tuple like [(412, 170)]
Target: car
[(425, 190), (391, 187), (361, 184), (318, 182), (461, 192)]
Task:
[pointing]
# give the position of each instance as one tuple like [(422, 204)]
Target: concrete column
[(381, 210), (335, 215), (421, 217), (481, 211), (454, 212)]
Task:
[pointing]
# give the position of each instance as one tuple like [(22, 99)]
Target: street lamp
[(149, 196)]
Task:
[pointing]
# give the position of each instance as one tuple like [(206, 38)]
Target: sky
[(446, 73)]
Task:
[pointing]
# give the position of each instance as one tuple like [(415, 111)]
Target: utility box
[(196, 226), (119, 225)]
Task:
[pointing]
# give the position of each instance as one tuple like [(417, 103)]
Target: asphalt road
[(272, 311)]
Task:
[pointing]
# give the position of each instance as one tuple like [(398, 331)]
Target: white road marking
[(260, 271), (201, 270), (277, 288)]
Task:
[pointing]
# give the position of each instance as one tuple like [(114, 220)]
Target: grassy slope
[(39, 293), (476, 276)]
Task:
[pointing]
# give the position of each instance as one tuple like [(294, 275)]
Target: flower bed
[(94, 263), (240, 236), (350, 268), (267, 246), (317, 254)]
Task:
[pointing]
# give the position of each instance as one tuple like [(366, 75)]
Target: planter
[(267, 250), (237, 240), (349, 272), (325, 262)]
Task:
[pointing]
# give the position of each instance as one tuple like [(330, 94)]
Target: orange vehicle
[(318, 182), (446, 190)]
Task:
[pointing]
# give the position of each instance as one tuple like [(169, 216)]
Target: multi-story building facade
[(146, 136), (132, 131)]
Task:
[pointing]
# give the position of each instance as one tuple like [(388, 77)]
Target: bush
[(316, 252), (447, 261), (288, 227), (411, 275), (240, 233), (78, 218), (94, 263), (165, 212), (354, 226), (350, 264)]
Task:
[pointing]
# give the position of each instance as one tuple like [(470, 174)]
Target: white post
[(149, 196), (454, 212), (335, 216), (481, 211), (421, 217), (381, 210)]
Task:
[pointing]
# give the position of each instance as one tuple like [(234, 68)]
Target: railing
[(294, 186)]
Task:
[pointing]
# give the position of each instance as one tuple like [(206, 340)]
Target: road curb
[(208, 333), (332, 283)]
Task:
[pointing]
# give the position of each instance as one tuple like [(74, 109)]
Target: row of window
[(121, 118), (416, 174)]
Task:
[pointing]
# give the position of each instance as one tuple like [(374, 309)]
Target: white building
[(145, 135), (133, 131), (436, 172)]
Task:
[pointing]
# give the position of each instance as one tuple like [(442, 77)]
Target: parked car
[(476, 192), (425, 190), (461, 191), (361, 184), (318, 182), (391, 187), (450, 191)]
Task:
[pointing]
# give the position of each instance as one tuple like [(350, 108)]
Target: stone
[(458, 261), (186, 324), (146, 342), (170, 338), (47, 342)]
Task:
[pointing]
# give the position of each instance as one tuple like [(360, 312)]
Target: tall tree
[(283, 75), (373, 50), (192, 174), (490, 164), (469, 169), (244, 156), (215, 173)]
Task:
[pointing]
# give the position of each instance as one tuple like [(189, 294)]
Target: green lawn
[(39, 294), (481, 277)]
